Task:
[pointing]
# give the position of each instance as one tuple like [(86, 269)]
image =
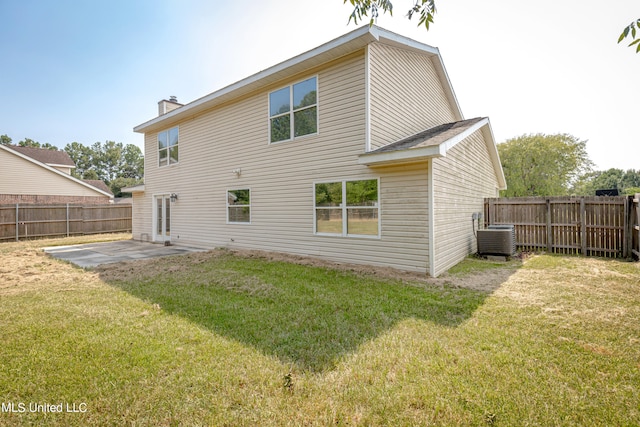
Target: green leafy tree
[(119, 183), (631, 180), (632, 31), (543, 165), (632, 190), (5, 140), (27, 142), (426, 9), (83, 158), (133, 162), (90, 174), (624, 181), (107, 161)]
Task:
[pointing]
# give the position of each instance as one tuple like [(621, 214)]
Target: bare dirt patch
[(32, 270)]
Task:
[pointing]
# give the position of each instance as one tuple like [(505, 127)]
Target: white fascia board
[(56, 171), (439, 150), (55, 165), (451, 142), (135, 189), (392, 38), (487, 132), (400, 156), (368, 34), (448, 87)]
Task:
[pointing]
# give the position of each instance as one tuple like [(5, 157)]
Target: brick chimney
[(165, 106)]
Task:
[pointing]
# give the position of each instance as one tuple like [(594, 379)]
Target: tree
[(119, 183), (5, 140), (543, 165), (363, 8), (632, 30), (427, 9), (116, 164), (625, 182), (83, 158)]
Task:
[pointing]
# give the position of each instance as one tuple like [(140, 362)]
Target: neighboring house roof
[(46, 156), (99, 184), (52, 169), (332, 50), (435, 142)]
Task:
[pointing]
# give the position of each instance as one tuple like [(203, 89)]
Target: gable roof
[(46, 156), (52, 169), (435, 142), (342, 46)]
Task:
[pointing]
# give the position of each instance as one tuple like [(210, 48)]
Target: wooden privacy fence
[(33, 221), (592, 226)]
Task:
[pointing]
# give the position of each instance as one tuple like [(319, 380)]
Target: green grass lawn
[(223, 339)]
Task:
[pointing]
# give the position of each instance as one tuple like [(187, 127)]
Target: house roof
[(342, 46), (135, 189), (99, 184), (46, 156), (52, 169), (430, 137), (435, 142)]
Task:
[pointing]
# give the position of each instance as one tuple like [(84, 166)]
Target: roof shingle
[(430, 137), (44, 155)]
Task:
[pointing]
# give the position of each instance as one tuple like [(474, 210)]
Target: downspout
[(431, 244), (367, 98)]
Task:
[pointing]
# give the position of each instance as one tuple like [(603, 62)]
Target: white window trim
[(292, 111), (343, 206), (226, 198), (169, 164)]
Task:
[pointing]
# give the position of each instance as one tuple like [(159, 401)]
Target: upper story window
[(293, 111), (168, 147)]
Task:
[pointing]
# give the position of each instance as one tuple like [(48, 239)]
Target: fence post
[(17, 224), (583, 227), (635, 224), (492, 211), (549, 231), (67, 219)]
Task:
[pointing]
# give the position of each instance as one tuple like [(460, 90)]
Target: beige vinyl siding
[(461, 181), (141, 217), (281, 177), (21, 176), (406, 94)]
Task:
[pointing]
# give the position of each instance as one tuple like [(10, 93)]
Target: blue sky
[(88, 71)]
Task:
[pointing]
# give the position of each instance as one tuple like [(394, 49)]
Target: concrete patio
[(94, 254)]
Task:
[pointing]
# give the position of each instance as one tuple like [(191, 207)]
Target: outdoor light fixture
[(173, 197), (237, 172)]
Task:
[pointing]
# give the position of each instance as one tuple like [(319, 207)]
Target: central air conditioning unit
[(497, 240)]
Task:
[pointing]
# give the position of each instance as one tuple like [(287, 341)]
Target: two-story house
[(355, 151)]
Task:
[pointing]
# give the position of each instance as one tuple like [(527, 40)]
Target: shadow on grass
[(306, 315)]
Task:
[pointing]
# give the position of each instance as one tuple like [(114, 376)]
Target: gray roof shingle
[(44, 155), (430, 137)]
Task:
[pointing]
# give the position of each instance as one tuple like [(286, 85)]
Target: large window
[(168, 147), (347, 208), (239, 206), (293, 111)]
